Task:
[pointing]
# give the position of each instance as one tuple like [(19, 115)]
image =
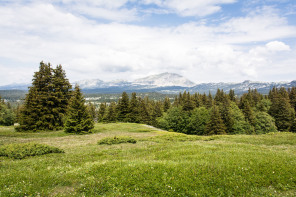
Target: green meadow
[(156, 163)]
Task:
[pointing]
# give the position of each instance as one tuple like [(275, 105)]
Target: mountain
[(169, 83), (240, 88), (15, 86), (165, 79)]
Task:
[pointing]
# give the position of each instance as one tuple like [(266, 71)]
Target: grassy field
[(160, 164)]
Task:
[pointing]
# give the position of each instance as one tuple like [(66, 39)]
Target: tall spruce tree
[(101, 112), (111, 113), (46, 101), (215, 126), (282, 111), (166, 104), (61, 95), (78, 118), (123, 108), (133, 115)]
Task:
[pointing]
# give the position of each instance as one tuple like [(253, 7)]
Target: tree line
[(204, 114), (52, 104)]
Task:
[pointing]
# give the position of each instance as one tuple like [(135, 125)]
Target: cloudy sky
[(205, 41)]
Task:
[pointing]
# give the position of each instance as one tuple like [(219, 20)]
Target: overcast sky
[(203, 40)]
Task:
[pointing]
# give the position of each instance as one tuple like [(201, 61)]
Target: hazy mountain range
[(164, 83)]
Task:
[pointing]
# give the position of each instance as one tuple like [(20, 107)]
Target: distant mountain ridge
[(169, 83)]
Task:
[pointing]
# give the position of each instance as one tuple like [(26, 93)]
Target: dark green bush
[(117, 140), (20, 151)]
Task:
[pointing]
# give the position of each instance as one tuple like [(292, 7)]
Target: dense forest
[(52, 104), (203, 114)]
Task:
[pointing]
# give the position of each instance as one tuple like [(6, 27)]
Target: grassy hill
[(161, 163)]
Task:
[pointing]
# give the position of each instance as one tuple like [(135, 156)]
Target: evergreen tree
[(166, 104), (46, 101), (232, 95), (248, 112), (133, 115), (61, 95), (198, 121), (292, 96), (187, 103), (225, 111), (92, 111), (123, 107), (210, 101), (156, 113), (78, 118), (215, 126), (101, 112), (293, 126), (282, 112), (111, 113), (144, 114)]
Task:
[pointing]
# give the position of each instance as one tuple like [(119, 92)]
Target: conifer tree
[(210, 101), (232, 95), (187, 103), (101, 112), (248, 112), (123, 107), (166, 104), (61, 95), (133, 115), (46, 101), (282, 111), (78, 118), (144, 114), (92, 111), (111, 113), (292, 96), (215, 126)]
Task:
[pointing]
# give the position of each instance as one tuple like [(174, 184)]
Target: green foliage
[(47, 100), (215, 125), (263, 105), (282, 112), (198, 120), (134, 110), (240, 125), (123, 108), (79, 120), (21, 151), (264, 123), (117, 140), (7, 116), (175, 119), (102, 112), (111, 113)]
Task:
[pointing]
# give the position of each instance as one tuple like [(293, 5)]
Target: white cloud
[(277, 46), (87, 49)]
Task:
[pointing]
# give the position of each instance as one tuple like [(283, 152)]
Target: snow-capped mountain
[(169, 83), (91, 84), (165, 79)]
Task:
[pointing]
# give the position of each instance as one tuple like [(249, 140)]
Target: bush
[(20, 151), (117, 140)]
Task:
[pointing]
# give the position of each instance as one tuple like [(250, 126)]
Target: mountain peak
[(165, 79)]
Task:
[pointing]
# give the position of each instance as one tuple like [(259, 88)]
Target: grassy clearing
[(160, 164)]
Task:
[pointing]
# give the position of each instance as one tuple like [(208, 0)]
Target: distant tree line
[(204, 114), (52, 104), (7, 113)]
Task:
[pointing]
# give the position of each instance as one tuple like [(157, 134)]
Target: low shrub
[(20, 151), (117, 140)]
